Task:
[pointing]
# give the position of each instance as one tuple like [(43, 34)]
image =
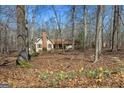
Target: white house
[(44, 42)]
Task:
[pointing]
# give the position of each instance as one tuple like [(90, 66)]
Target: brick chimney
[(44, 40)]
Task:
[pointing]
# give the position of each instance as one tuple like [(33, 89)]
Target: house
[(58, 43), (44, 43), (67, 43)]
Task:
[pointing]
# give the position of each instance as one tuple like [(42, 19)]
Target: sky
[(45, 12)]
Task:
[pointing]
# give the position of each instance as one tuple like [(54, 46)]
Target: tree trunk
[(111, 29), (1, 28), (0, 38), (32, 31), (98, 45), (73, 26), (115, 29), (85, 29), (59, 27), (21, 28), (6, 38)]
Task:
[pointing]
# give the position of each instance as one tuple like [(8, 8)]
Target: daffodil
[(62, 72), (51, 72), (81, 69), (122, 75), (100, 75), (101, 69), (99, 80)]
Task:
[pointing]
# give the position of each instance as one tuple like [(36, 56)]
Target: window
[(38, 45), (49, 46)]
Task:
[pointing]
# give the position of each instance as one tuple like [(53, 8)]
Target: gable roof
[(38, 39)]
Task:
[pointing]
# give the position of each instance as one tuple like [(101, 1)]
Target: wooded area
[(62, 46)]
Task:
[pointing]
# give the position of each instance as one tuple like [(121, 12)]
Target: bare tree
[(7, 17), (85, 28), (98, 44), (0, 31), (1, 28), (32, 42), (115, 29), (59, 27), (73, 26), (21, 28), (5, 38)]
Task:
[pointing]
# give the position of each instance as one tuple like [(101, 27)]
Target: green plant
[(61, 75), (99, 73), (106, 73), (25, 64), (92, 74), (71, 75), (44, 75), (54, 82)]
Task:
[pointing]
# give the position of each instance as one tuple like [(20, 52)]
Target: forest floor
[(69, 69)]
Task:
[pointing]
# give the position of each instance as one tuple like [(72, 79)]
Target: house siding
[(48, 48)]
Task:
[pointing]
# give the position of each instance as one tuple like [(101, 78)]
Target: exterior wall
[(38, 49), (48, 47)]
